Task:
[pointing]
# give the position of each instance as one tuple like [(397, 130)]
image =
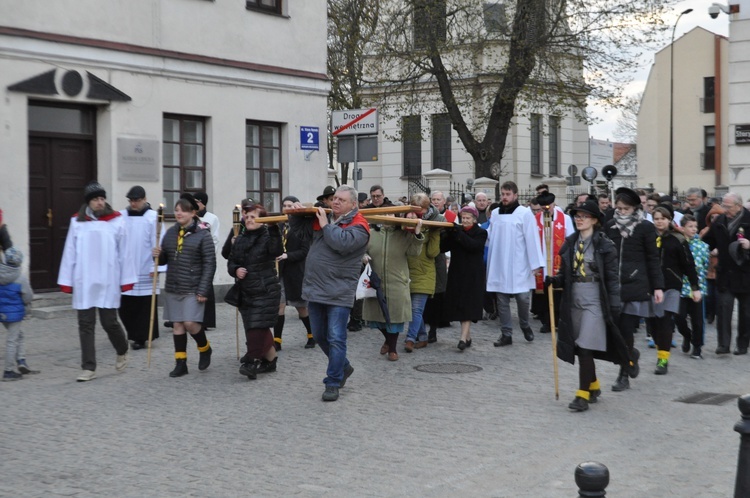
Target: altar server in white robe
[(95, 269), (206, 216), (514, 253), (135, 307)]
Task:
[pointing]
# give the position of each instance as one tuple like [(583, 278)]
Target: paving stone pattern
[(395, 431)]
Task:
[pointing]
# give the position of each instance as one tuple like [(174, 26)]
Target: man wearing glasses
[(377, 198), (729, 234)]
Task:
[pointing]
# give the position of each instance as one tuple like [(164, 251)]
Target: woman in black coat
[(676, 261), (641, 280), (291, 265), (464, 296), (590, 303), (253, 262)]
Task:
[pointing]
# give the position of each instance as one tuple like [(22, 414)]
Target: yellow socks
[(180, 355), (204, 348), (582, 394), (595, 386)]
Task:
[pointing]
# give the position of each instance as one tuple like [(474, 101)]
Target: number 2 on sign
[(310, 138)]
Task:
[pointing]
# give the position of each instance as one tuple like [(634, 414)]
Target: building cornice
[(157, 52)]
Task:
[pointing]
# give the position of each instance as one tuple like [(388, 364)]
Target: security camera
[(716, 8)]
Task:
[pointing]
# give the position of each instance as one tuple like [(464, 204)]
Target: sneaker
[(651, 343), (661, 367), (331, 393), (504, 340), (348, 371), (121, 362), (10, 375), (310, 343), (579, 404), (86, 376), (25, 369), (696, 354), (674, 344)]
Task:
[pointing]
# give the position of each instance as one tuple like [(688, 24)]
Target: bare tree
[(351, 25), (627, 124), (485, 62)]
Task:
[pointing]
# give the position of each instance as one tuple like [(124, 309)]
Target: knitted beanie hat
[(13, 257), (92, 190)]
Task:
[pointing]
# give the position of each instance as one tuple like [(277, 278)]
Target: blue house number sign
[(309, 138)]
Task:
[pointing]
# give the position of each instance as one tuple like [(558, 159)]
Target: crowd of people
[(593, 272)]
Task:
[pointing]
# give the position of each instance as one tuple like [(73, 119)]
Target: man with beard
[(135, 306), (95, 269), (514, 255)]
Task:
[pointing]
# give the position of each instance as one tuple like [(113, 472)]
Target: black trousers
[(710, 298), (628, 324), (544, 306), (694, 333), (724, 310), (86, 327)]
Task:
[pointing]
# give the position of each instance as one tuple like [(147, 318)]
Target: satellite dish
[(572, 170), (609, 172), (589, 173)]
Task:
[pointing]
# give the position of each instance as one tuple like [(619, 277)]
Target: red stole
[(558, 237)]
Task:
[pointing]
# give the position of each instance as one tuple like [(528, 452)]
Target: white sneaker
[(122, 362), (86, 376)]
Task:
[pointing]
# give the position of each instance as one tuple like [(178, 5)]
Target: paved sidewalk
[(395, 431)]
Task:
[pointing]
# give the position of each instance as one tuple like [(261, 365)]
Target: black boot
[(250, 369), (622, 383), (266, 366), (180, 369), (205, 359), (432, 336)]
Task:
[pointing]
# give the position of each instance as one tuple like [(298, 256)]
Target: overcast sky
[(604, 129)]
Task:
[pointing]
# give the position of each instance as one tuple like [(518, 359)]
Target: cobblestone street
[(395, 431)]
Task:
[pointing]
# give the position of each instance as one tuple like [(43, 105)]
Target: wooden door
[(59, 168)]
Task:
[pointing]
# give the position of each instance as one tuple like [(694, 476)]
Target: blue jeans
[(416, 330), (328, 325)]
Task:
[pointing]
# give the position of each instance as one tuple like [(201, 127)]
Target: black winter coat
[(260, 291), (464, 296), (192, 270), (729, 275), (605, 256), (676, 261), (292, 269), (640, 272)]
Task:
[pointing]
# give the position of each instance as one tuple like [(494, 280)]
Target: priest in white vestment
[(514, 253)]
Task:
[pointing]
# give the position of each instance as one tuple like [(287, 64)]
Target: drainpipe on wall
[(718, 116)]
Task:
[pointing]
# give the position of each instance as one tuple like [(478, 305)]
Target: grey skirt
[(182, 308), (670, 303), (297, 304), (589, 328)]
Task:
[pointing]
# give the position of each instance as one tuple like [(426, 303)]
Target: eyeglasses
[(375, 196), (582, 217)]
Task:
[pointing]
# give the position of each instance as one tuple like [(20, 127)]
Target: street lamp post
[(671, 104)]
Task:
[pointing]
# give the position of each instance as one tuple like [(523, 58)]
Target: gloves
[(550, 280)]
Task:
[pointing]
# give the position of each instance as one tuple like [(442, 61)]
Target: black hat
[(327, 192), (201, 196), (92, 190), (136, 192), (546, 198), (247, 203), (631, 196), (191, 200), (588, 207), (361, 197)]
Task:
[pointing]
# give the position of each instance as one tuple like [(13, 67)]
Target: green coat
[(422, 267), (388, 249)]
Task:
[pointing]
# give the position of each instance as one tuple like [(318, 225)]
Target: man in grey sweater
[(331, 273)]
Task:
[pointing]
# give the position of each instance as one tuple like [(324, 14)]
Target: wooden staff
[(390, 220), (311, 211), (548, 213), (236, 221), (159, 221)]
